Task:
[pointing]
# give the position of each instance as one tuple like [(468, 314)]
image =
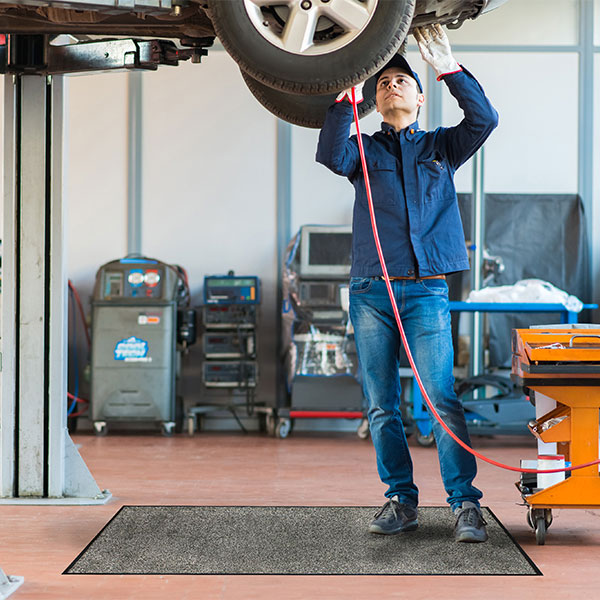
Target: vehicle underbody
[(192, 22), (294, 55)]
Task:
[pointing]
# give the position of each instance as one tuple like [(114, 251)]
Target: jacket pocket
[(432, 175), (383, 175)]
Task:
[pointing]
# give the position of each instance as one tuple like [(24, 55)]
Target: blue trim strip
[(138, 261)]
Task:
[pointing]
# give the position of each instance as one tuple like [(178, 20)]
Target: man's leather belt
[(414, 277)]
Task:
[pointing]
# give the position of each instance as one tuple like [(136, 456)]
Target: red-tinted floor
[(305, 469)]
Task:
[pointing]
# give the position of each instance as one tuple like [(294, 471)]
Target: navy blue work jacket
[(412, 182)]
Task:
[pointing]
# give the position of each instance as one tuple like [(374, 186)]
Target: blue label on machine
[(132, 349)]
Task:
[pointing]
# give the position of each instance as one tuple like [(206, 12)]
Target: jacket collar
[(409, 131)]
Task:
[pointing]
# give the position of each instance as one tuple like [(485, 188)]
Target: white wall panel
[(209, 182), (534, 149), (95, 181), (597, 22), (523, 22), (208, 171), (2, 160)]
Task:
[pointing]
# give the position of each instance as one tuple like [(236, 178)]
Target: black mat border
[(509, 534), (512, 539)]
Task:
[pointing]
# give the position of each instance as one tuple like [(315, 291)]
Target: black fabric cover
[(538, 236)]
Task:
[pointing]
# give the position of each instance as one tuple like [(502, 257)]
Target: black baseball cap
[(399, 62)]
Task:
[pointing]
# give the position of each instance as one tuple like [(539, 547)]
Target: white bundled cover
[(527, 290)]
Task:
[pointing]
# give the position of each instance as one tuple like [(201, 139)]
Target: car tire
[(306, 111), (326, 68)]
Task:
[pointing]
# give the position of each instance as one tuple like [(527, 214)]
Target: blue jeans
[(425, 315)]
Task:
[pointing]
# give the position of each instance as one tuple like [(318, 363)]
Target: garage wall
[(209, 188), (521, 23), (95, 164), (2, 138), (208, 183), (209, 152), (535, 147)]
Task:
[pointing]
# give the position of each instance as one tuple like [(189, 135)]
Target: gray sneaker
[(394, 517), (470, 524)]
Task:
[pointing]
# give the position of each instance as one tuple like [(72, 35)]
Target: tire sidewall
[(267, 63), (305, 111)]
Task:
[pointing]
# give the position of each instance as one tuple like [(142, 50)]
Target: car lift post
[(40, 464)]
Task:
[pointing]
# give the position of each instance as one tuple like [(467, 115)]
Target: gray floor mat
[(291, 540)]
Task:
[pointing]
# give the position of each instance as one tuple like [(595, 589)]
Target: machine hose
[(403, 335)]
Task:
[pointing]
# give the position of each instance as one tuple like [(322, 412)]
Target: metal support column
[(477, 242), (134, 145), (40, 464), (585, 175), (284, 220)]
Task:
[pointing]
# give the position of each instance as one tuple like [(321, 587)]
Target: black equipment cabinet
[(321, 366), (229, 347)]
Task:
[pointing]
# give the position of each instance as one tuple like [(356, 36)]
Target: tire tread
[(326, 87)]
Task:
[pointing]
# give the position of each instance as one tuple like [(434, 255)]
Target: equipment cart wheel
[(262, 422), (539, 519), (540, 531), (191, 424), (425, 440), (363, 430), (167, 428), (179, 414), (283, 428), (100, 428), (270, 423)]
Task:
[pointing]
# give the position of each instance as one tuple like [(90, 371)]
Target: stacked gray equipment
[(229, 339), (134, 337)]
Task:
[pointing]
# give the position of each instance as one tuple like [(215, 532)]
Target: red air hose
[(403, 335)]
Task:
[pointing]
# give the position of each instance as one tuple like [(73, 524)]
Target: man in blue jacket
[(411, 173)]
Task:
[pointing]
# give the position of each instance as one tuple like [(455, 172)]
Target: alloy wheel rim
[(310, 27)]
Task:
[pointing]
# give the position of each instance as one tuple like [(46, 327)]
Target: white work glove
[(358, 93), (435, 49)]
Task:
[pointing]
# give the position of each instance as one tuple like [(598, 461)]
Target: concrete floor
[(305, 469)]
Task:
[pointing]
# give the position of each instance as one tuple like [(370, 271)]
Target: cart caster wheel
[(283, 429), (168, 428), (262, 422), (540, 531), (363, 430), (191, 425), (100, 428), (270, 425), (534, 514), (529, 521), (425, 440)]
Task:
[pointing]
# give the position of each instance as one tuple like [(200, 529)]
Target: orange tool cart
[(561, 368)]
